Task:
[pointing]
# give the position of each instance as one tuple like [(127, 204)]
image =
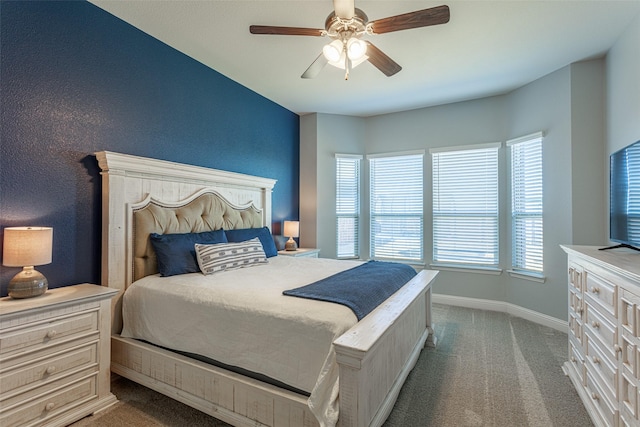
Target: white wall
[(587, 111), (321, 136), (623, 89)]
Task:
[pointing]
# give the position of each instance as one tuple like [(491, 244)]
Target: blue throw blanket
[(361, 288)]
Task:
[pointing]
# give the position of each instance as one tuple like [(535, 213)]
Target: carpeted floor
[(489, 369)]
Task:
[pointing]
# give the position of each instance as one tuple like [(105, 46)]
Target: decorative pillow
[(229, 256), (244, 234), (176, 252)]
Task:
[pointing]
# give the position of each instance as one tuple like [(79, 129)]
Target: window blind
[(396, 206), (526, 203), (347, 206), (465, 205)]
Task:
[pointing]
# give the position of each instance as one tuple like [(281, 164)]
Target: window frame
[(441, 208), (535, 200), (355, 214), (413, 220)]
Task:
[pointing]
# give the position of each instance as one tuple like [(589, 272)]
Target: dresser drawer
[(50, 405), (49, 332), (628, 353), (577, 360), (601, 365), (575, 277), (629, 395), (47, 369), (602, 328), (602, 291), (605, 408)]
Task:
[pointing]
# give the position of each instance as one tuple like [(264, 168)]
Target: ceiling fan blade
[(315, 68), (345, 9), (285, 31), (420, 18), (381, 61)]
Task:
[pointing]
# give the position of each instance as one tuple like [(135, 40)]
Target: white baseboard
[(504, 307)]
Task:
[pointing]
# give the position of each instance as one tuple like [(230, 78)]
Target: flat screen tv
[(624, 206)]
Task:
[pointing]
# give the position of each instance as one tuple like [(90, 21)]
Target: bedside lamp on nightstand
[(291, 230), (27, 247)]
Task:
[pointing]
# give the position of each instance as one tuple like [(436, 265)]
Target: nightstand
[(301, 252), (55, 352)]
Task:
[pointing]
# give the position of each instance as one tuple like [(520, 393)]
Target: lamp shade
[(291, 228), (27, 246)]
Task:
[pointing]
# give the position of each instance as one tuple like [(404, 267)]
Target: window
[(526, 203), (465, 205), (396, 204), (347, 205)]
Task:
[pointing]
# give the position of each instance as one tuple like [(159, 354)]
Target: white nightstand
[(55, 352), (301, 252)]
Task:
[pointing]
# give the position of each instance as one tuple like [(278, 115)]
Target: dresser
[(55, 356), (604, 332)]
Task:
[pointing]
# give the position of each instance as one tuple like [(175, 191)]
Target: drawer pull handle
[(595, 360), (52, 333), (595, 324), (595, 290), (50, 370), (49, 406)]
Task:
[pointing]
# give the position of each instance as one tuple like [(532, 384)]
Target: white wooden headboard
[(129, 180)]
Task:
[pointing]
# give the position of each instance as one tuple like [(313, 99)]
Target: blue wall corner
[(77, 80)]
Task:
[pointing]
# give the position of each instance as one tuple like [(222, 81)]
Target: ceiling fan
[(346, 25)]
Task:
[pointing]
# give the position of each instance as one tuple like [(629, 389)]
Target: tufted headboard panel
[(208, 211)]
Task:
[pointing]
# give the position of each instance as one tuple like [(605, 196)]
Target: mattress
[(240, 318)]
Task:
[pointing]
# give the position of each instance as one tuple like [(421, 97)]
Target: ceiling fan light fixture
[(356, 48), (333, 51)]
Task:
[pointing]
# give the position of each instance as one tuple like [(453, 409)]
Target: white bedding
[(241, 318)]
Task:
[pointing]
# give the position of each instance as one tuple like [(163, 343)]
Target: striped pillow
[(228, 256)]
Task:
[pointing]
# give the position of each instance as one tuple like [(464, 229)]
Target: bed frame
[(374, 356)]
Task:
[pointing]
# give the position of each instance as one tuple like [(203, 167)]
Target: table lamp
[(27, 247), (291, 230)]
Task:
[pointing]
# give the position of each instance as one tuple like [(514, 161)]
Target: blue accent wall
[(76, 80)]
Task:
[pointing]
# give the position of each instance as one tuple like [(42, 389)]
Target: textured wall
[(76, 80)]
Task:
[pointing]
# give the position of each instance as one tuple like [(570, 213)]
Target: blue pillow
[(176, 253), (243, 234)]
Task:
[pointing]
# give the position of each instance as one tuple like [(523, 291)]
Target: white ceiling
[(487, 48)]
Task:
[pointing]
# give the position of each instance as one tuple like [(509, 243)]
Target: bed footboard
[(376, 355)]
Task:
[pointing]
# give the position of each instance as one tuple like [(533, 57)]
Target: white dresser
[(604, 332), (55, 356)]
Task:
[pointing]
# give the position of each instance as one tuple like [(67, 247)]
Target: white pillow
[(227, 256)]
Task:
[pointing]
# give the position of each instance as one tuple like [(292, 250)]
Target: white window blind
[(396, 206), (526, 203), (465, 205), (347, 205)]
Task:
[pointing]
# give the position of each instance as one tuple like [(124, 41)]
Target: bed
[(373, 356)]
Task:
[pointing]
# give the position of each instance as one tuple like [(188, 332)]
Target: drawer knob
[(49, 406), (52, 333), (595, 324), (617, 348), (50, 370), (595, 360), (595, 290), (573, 359), (594, 396)]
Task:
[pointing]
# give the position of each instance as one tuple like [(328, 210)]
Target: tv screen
[(624, 208)]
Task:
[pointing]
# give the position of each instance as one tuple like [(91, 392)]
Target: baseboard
[(504, 307)]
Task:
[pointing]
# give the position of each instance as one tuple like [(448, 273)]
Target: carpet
[(489, 369)]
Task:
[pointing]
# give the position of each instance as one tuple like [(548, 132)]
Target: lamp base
[(27, 284), (291, 245)]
